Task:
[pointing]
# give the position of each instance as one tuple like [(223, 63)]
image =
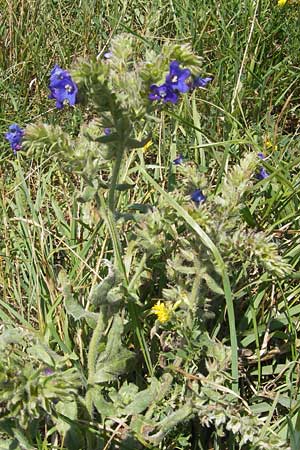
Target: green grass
[(252, 51)]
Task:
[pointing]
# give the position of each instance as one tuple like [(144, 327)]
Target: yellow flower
[(281, 2), (269, 145), (162, 311), (147, 145)]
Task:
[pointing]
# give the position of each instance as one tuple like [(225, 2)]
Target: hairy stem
[(114, 178)]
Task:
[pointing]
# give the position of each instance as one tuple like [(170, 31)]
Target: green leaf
[(113, 366), (66, 424), (10, 444), (73, 308), (294, 431), (19, 441), (248, 217), (141, 207), (105, 408), (41, 353), (87, 195), (115, 359), (144, 398), (10, 336), (212, 284)]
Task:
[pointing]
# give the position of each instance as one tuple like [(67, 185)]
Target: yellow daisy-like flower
[(162, 311), (281, 2)]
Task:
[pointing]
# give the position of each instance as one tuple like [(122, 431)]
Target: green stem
[(114, 178)]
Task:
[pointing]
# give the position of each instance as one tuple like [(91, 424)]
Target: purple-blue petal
[(201, 82), (198, 197), (176, 78), (171, 97), (182, 86), (262, 174), (179, 160), (62, 87), (163, 92), (58, 76), (14, 136)]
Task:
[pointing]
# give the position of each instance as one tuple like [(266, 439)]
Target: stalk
[(115, 178)]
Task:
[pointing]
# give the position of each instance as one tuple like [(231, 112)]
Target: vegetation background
[(252, 50)]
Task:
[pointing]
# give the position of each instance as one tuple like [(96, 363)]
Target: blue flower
[(262, 174), (14, 137), (198, 197), (107, 131), (62, 87), (176, 77), (163, 92), (200, 82), (179, 160), (174, 84)]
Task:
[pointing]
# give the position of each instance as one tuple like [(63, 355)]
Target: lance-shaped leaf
[(156, 434), (115, 359), (66, 423), (144, 398), (73, 308)]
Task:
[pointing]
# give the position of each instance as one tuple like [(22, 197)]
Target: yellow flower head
[(281, 2), (269, 145), (162, 311), (147, 145)]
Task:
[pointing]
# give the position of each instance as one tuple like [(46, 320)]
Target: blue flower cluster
[(176, 83), (14, 136), (63, 89), (197, 195)]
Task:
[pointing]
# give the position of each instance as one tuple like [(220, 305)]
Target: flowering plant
[(153, 303)]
